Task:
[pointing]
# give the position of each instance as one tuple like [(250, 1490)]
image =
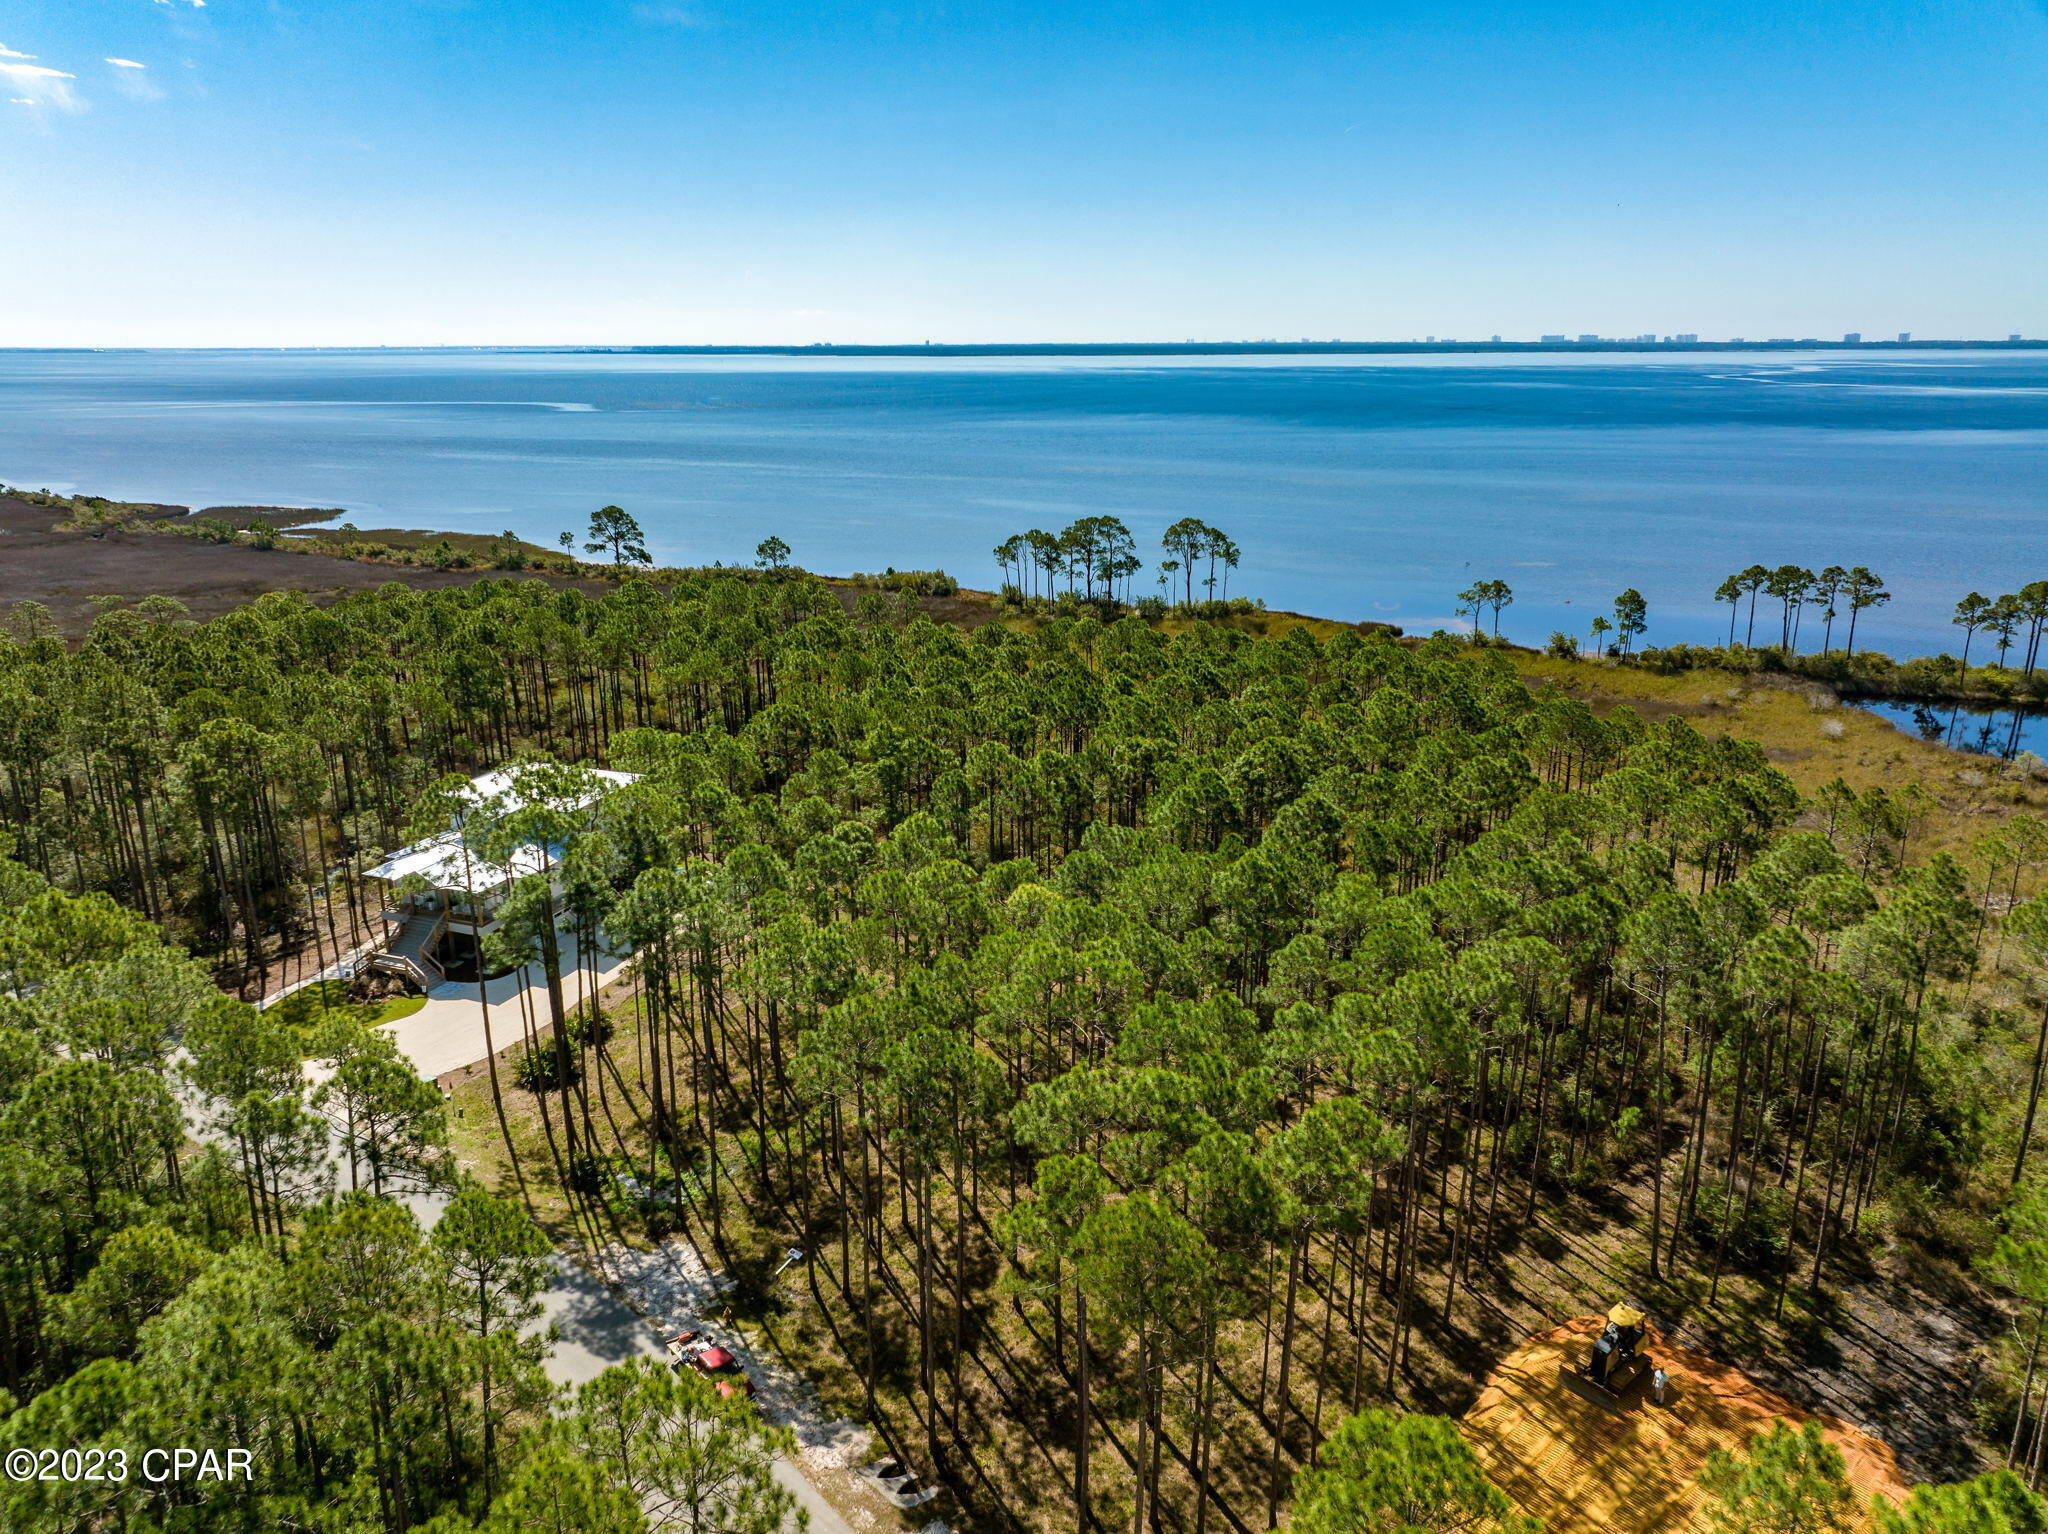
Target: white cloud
[(196, 4), (40, 87), (9, 53), (132, 80)]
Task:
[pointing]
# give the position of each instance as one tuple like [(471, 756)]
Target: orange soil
[(1583, 1468)]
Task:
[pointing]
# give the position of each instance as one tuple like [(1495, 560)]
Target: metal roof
[(499, 785), (447, 865)]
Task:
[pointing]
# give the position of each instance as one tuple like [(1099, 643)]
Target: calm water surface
[(1984, 732), (1357, 487)]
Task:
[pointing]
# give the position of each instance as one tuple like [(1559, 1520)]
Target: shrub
[(1585, 1175), (1672, 659), (1626, 1124), (262, 535), (589, 1026), (589, 1175), (1756, 1237), (924, 583), (214, 530), (537, 1069), (91, 513), (1521, 1139), (1927, 673), (1562, 646), (443, 555), (506, 554), (1216, 607)]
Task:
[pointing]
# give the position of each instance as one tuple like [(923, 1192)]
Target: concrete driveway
[(597, 1331), (448, 1032), (594, 1327)]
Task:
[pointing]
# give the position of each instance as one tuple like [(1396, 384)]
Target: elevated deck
[(409, 950)]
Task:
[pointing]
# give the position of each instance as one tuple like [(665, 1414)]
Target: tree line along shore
[(1092, 565), (1164, 1043)]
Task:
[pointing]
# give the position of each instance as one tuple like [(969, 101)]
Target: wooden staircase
[(410, 951)]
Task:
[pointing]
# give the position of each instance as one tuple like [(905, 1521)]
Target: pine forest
[(1117, 1061)]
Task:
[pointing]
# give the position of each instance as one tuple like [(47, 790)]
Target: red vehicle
[(723, 1370)]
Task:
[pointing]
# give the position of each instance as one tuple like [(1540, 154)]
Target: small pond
[(2002, 732)]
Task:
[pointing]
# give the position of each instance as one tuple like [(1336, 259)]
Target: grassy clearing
[(1812, 739), (307, 1005), (390, 1011)]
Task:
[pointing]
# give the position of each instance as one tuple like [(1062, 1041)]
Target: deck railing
[(434, 941), (420, 966)]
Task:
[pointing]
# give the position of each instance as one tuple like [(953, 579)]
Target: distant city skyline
[(1688, 341), (621, 171)]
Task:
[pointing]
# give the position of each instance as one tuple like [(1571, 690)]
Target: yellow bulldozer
[(1616, 1363)]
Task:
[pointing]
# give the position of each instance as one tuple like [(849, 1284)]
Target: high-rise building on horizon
[(1905, 335), (1853, 338), (1553, 340)]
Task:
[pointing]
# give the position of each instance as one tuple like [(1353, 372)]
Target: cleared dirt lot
[(1586, 1470)]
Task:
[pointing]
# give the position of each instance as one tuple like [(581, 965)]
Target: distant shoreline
[(1082, 349), (71, 568)]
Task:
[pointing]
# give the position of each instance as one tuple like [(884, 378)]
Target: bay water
[(1356, 486)]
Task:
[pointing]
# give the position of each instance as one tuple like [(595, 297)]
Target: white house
[(441, 898)]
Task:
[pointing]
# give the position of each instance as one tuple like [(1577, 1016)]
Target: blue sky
[(275, 172)]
